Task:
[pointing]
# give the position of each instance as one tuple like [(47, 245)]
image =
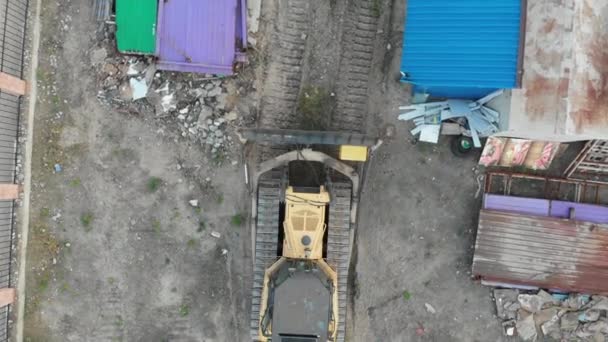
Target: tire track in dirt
[(284, 72), (111, 327), (355, 66)]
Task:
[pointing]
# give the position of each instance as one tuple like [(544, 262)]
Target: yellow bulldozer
[(304, 210)]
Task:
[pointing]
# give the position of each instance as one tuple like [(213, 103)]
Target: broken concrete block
[(547, 298), (527, 329), (569, 321), (531, 303), (506, 303), (576, 301), (593, 329), (545, 315), (551, 328), (590, 315)]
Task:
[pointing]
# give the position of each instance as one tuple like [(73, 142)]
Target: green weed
[(237, 220), (184, 310), (153, 184), (86, 219)]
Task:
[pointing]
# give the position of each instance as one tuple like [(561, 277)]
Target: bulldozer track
[(266, 239), (355, 66), (339, 245)]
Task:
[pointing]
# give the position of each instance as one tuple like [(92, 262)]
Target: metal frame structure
[(591, 163), (582, 189), (13, 32)]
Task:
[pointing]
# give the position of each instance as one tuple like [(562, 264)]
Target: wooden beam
[(7, 296), (9, 191), (12, 84)]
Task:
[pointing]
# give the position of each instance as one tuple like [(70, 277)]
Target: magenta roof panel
[(198, 35)]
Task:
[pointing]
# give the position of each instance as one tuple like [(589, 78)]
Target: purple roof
[(522, 205), (199, 35), (542, 207), (582, 212)]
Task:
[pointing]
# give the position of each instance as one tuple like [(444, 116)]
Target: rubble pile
[(196, 107), (562, 317)]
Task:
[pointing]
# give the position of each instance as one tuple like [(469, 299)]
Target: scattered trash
[(216, 234), (193, 203), (56, 217), (58, 168), (474, 118), (224, 251), (420, 329), (534, 316), (138, 88), (182, 104), (430, 308), (168, 102)]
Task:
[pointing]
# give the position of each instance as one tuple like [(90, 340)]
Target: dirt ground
[(117, 253)]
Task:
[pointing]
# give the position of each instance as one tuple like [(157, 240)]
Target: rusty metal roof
[(564, 90), (546, 252)]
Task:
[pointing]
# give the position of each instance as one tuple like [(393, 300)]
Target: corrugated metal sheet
[(136, 26), (541, 251), (461, 49), (564, 91), (197, 35)]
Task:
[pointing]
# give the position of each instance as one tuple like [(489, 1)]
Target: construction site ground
[(118, 252)]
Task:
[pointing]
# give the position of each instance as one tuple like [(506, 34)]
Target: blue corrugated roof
[(465, 48)]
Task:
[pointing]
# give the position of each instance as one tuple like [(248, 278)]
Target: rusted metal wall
[(564, 93), (541, 251)]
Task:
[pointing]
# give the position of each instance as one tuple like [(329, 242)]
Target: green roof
[(136, 26)]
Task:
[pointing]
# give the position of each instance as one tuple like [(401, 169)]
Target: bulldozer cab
[(304, 225)]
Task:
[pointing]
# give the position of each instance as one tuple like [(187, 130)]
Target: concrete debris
[(526, 328), (560, 317), (181, 103), (476, 119), (530, 303), (430, 308), (506, 303)]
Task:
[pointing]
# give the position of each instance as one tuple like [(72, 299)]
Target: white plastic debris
[(216, 234), (430, 308), (168, 102), (139, 88), (193, 203), (132, 71)]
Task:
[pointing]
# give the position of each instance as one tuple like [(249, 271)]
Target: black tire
[(461, 146)]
